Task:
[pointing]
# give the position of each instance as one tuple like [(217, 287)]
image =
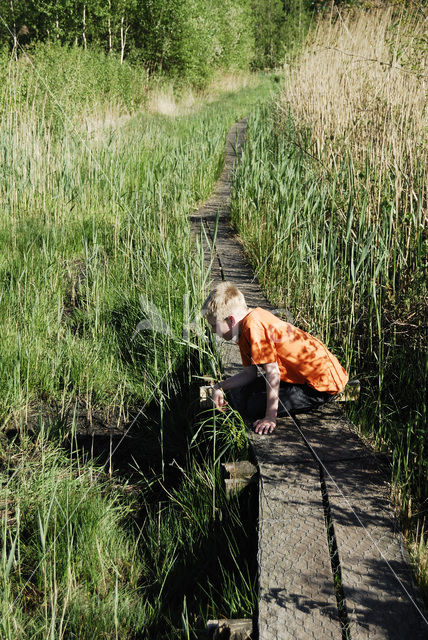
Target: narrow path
[(323, 496)]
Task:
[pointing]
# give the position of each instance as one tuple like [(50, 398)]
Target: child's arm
[(273, 379), (247, 375)]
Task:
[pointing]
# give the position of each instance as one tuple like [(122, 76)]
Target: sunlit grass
[(95, 221), (330, 202), (101, 285)]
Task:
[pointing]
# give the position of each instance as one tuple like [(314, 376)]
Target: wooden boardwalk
[(323, 496)]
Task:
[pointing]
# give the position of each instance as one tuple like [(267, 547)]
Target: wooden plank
[(238, 629), (381, 597), (297, 599)]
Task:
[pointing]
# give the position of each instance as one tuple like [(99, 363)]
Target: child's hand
[(219, 399), (264, 425)]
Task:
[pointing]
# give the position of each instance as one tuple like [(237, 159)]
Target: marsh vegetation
[(330, 201), (114, 522), (125, 536)]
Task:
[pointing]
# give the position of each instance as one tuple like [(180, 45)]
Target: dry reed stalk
[(361, 88), (231, 81)]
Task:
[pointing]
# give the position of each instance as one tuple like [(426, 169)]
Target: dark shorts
[(293, 398)]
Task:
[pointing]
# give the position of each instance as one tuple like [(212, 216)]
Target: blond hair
[(222, 301)]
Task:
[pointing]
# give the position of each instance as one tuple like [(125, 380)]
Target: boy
[(300, 373)]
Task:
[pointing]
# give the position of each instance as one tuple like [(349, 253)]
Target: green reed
[(83, 557), (68, 560), (95, 221), (101, 284), (346, 273)]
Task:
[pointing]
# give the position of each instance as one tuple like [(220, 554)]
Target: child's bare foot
[(264, 425)]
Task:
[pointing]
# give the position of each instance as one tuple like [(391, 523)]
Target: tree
[(269, 19)]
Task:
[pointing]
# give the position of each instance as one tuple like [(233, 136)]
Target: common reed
[(95, 220), (330, 201), (100, 282), (361, 87)]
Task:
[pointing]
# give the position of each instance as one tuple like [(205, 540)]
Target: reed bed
[(85, 557), (95, 221), (361, 87), (330, 201), (100, 288), (69, 565)]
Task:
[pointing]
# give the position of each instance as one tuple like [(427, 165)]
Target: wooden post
[(206, 394), (350, 393), (238, 475), (240, 469), (240, 629)]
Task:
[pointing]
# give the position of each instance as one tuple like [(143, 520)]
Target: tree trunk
[(123, 32), (14, 36), (84, 27), (110, 37)]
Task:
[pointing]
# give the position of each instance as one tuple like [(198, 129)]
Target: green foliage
[(269, 17), (298, 17), (96, 219), (74, 564), (350, 276), (96, 226), (235, 48), (185, 39), (189, 39), (280, 30), (62, 80), (81, 558)]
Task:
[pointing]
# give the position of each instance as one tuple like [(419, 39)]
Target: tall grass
[(330, 201), (83, 557), (95, 221), (68, 563), (100, 281), (361, 89)]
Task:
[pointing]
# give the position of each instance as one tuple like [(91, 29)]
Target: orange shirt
[(301, 358)]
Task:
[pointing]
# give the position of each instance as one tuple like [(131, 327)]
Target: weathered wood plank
[(239, 629)]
